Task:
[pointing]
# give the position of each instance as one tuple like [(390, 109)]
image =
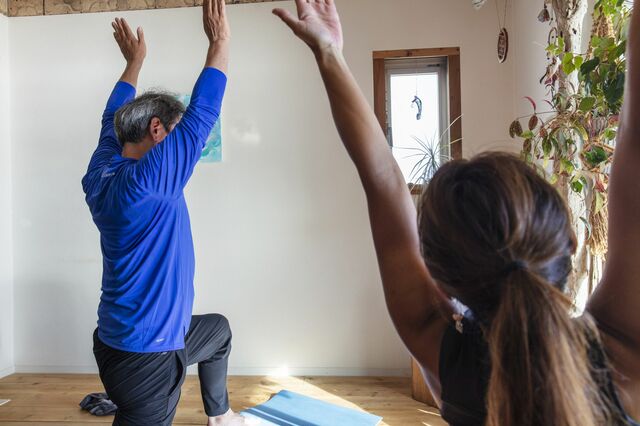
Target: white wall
[(530, 42), (6, 261), (282, 240)]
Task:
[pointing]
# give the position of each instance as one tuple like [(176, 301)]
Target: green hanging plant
[(574, 139)]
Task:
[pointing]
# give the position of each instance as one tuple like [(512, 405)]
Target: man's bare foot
[(231, 419)]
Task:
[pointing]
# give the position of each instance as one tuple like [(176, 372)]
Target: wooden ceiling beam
[(64, 7)]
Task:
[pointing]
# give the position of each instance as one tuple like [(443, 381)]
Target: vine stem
[(537, 113)]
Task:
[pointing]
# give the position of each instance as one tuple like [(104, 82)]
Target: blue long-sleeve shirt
[(145, 232)]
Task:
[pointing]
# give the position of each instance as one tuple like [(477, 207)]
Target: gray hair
[(133, 119)]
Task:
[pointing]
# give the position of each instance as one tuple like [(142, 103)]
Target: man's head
[(149, 118)]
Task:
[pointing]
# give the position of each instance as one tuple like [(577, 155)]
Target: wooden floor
[(52, 399)]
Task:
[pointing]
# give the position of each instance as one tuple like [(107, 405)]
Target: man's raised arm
[(216, 26), (167, 168), (414, 302), (134, 51)]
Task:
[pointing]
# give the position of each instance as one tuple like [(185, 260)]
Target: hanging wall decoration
[(544, 15), (477, 4), (418, 103), (503, 36), (503, 45)]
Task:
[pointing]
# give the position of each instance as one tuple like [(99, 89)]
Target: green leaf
[(610, 134), (614, 90), (546, 147), (586, 104), (527, 135), (581, 131), (596, 156), (589, 66), (577, 186), (607, 42), (578, 61), (618, 51), (567, 166), (597, 52), (567, 63), (584, 181), (560, 45)]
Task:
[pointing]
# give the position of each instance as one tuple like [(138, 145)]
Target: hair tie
[(516, 265), (459, 324)]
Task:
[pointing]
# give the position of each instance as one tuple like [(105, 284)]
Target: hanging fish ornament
[(544, 16), (477, 4), (418, 103)]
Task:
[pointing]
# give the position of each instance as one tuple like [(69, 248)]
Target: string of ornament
[(503, 34)]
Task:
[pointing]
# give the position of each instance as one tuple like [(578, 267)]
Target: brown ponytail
[(497, 237), (540, 373)]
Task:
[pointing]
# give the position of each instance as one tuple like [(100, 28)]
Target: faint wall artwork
[(212, 152)]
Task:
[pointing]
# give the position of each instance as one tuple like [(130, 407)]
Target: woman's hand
[(318, 24), (133, 48), (214, 17)]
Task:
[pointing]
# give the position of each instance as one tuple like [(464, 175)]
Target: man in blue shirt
[(148, 148)]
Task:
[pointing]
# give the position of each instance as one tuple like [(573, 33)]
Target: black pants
[(146, 387)]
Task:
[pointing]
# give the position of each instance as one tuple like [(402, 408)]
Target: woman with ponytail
[(497, 237)]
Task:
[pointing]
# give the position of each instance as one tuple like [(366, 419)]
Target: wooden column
[(419, 389)]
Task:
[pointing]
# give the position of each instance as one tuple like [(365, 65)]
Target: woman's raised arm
[(616, 303), (413, 300)]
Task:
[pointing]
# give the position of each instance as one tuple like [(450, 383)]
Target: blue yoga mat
[(292, 409)]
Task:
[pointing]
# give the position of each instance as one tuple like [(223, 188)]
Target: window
[(417, 115), (415, 91)]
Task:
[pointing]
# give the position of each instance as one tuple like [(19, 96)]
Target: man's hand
[(214, 17), (133, 48), (216, 26), (318, 24)]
